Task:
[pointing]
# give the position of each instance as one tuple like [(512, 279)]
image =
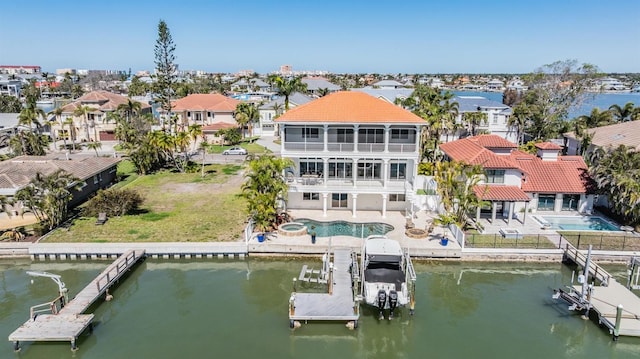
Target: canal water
[(238, 309)]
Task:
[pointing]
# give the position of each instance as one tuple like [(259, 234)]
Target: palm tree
[(30, 116), (264, 186), (57, 112), (195, 131), (129, 108), (518, 121), (246, 114), (69, 122), (94, 145), (277, 108), (597, 118), (285, 87), (474, 119), (624, 113), (83, 111)]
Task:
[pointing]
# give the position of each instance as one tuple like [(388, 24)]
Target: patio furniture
[(102, 217)]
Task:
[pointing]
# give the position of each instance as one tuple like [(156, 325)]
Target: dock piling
[(616, 328)]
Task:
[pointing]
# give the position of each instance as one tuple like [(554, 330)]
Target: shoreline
[(240, 250)]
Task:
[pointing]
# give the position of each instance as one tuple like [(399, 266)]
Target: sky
[(340, 36)]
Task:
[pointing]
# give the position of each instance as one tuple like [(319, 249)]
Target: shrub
[(113, 202)]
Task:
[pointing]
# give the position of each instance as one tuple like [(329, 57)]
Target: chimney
[(548, 151)]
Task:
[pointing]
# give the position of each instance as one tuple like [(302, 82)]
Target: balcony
[(349, 147)]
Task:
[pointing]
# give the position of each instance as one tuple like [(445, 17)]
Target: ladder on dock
[(68, 322)]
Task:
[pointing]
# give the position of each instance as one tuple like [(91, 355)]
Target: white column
[(385, 172), (355, 204), (386, 138), (512, 206), (418, 135), (354, 172), (326, 138), (325, 171), (384, 205), (282, 138), (493, 212), (324, 203), (355, 138), (526, 212)]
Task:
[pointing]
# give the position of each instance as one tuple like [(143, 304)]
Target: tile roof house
[(213, 111), (96, 126), (95, 172), (515, 180), (350, 151), (624, 133)]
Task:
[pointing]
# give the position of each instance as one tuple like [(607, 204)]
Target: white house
[(497, 120), (270, 110), (351, 152)]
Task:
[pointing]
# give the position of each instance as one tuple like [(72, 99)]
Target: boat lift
[(62, 288)]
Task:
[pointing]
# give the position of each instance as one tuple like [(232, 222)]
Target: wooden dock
[(339, 304), (68, 322), (604, 299)]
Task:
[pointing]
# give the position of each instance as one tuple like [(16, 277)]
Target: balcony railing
[(304, 146), (349, 147)]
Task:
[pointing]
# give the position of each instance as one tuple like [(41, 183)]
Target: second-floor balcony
[(349, 147)]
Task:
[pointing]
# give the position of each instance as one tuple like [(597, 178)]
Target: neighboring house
[(516, 181), (388, 94), (516, 84), (612, 136), (19, 69), (434, 82), (495, 85), (351, 152), (11, 87), (97, 126), (212, 111), (94, 172), (250, 85), (268, 112), (496, 121), (317, 84), (609, 84), (8, 127), (393, 84)]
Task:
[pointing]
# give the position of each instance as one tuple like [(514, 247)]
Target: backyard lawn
[(177, 207)]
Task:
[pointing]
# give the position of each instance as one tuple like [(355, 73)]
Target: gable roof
[(350, 107), (17, 172), (316, 83), (295, 99), (205, 102), (478, 103), (387, 94), (547, 146), (101, 101), (492, 141), (625, 133)]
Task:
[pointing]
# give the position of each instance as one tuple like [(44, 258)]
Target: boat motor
[(393, 302), (382, 301)]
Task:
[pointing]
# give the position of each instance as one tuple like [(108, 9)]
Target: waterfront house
[(393, 84), (515, 181), (94, 172), (611, 136), (351, 151), (96, 126), (389, 94), (496, 123)]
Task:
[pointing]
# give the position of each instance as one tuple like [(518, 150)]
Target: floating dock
[(68, 322), (616, 306), (340, 303)]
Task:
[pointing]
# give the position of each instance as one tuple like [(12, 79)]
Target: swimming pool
[(577, 223), (344, 228)]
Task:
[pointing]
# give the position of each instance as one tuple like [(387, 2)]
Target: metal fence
[(603, 241)]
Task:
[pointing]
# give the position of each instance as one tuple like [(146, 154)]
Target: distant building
[(19, 69), (497, 118), (286, 69), (612, 136), (10, 87), (271, 110), (63, 72), (213, 112), (388, 84), (317, 84)]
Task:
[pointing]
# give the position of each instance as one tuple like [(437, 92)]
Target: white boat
[(388, 276)]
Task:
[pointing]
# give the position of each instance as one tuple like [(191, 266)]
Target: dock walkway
[(67, 323), (338, 305), (603, 299)]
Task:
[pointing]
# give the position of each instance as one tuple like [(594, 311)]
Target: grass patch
[(177, 207), (611, 241), (498, 241)]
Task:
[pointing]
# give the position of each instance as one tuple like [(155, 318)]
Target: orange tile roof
[(205, 102), (500, 193), (492, 141), (469, 151), (548, 146), (350, 107), (568, 174)]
